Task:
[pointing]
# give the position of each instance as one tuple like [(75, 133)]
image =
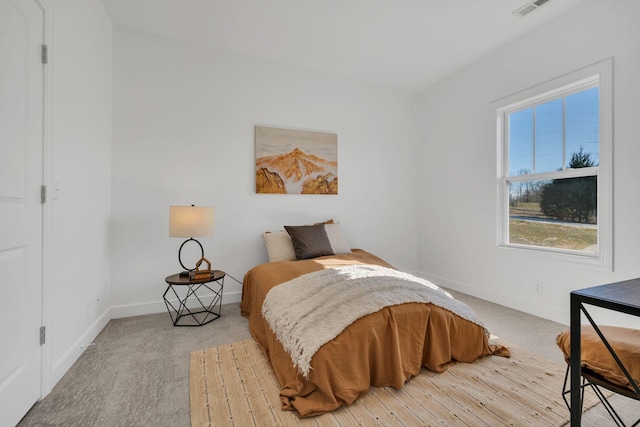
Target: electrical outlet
[(537, 287)]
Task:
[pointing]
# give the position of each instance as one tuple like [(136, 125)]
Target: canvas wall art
[(292, 161)]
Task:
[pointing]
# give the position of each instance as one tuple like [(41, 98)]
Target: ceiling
[(404, 44)]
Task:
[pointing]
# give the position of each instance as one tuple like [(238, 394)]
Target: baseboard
[(154, 307), (62, 365), (525, 306)]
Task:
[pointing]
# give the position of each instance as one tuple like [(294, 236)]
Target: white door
[(21, 151)]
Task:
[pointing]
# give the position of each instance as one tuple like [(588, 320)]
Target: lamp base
[(187, 270)]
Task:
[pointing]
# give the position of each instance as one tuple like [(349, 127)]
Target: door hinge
[(45, 54), (43, 194), (42, 335)]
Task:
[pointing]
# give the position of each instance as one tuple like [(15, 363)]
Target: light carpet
[(233, 385)]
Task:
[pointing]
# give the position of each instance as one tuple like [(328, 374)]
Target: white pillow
[(336, 239), (279, 246)]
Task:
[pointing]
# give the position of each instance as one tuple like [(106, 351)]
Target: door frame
[(47, 163)]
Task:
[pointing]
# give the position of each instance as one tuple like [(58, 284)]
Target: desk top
[(623, 296)]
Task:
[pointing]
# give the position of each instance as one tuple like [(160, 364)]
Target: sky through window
[(543, 138)]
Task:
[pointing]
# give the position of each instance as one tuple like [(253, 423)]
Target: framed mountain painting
[(290, 161)]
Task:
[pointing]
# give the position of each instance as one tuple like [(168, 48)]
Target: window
[(555, 167)]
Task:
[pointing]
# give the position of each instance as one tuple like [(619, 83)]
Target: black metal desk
[(623, 297)]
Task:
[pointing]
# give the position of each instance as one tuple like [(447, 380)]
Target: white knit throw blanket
[(312, 309)]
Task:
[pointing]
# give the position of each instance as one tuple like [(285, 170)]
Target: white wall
[(458, 162), (78, 237), (183, 133)]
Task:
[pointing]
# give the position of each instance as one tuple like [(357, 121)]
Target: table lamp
[(190, 221)]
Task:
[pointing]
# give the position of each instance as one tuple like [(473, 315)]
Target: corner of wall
[(66, 361)]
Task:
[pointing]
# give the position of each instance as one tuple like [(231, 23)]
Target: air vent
[(529, 7)]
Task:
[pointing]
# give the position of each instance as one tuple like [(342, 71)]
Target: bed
[(383, 348)]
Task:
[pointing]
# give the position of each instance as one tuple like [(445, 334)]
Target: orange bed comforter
[(384, 348)]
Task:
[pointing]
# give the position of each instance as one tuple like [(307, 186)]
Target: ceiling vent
[(529, 7)]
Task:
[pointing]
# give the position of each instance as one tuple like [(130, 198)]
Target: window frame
[(597, 75)]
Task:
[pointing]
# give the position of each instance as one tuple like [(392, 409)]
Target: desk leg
[(576, 406)]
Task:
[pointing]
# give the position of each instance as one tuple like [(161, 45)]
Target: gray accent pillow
[(309, 241)]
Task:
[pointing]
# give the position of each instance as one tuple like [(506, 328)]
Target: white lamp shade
[(190, 221)]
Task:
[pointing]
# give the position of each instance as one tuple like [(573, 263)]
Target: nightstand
[(196, 300)]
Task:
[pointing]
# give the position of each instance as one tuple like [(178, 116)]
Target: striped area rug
[(233, 385)]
